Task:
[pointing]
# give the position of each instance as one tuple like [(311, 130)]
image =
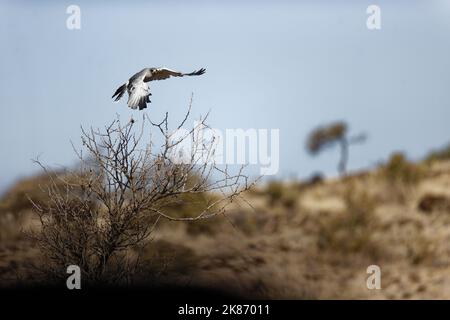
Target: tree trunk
[(342, 166)]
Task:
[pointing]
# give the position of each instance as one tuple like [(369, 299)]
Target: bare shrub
[(190, 204), (123, 188), (15, 200), (16, 208)]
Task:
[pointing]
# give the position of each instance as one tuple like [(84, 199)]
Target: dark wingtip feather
[(197, 73), (201, 71)]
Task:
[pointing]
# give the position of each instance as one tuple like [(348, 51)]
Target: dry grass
[(351, 230), (401, 176), (302, 240), (10, 226), (439, 155), (279, 193), (398, 170)]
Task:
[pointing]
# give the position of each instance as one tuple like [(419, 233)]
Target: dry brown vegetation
[(297, 240), (99, 215)]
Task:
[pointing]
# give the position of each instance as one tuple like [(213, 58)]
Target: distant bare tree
[(121, 190), (334, 133)]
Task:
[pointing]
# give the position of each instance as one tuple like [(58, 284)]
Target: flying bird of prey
[(139, 91)]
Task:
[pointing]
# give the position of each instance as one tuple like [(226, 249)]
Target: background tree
[(329, 135)]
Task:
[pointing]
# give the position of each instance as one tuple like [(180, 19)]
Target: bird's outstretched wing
[(164, 73)]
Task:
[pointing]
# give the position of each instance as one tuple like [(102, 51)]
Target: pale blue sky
[(287, 65)]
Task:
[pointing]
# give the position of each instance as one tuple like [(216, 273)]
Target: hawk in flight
[(138, 90)]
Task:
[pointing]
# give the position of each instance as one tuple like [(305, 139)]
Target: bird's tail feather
[(143, 102), (140, 102), (120, 92)]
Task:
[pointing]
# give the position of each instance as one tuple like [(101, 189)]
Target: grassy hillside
[(299, 240)]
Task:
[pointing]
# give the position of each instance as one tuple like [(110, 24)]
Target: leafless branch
[(123, 187)]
